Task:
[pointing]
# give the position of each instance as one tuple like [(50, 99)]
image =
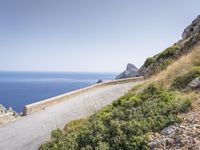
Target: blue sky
[(88, 35)]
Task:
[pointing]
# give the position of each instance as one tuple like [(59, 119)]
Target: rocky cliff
[(131, 71), (190, 39)]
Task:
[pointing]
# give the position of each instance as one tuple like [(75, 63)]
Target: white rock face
[(131, 71), (192, 29), (3, 110), (195, 83)]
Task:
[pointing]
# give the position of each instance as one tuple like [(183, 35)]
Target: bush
[(149, 61), (185, 105), (182, 81), (126, 124), (165, 64), (66, 139), (169, 52), (161, 61), (58, 141)]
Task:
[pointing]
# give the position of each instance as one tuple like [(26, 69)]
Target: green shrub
[(75, 126), (165, 64), (58, 141), (125, 124), (66, 139), (182, 81), (185, 105), (161, 60), (149, 61), (169, 52)]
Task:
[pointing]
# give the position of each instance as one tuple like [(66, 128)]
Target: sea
[(18, 89)]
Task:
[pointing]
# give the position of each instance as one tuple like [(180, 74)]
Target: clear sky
[(88, 35)]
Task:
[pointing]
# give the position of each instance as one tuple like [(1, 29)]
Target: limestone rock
[(2, 109), (194, 84), (192, 29), (171, 130), (131, 71)]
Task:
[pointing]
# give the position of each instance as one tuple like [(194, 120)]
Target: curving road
[(31, 131)]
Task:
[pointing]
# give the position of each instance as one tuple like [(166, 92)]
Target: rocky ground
[(183, 136), (7, 115)]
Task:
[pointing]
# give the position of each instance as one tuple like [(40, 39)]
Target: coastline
[(9, 115), (23, 88)]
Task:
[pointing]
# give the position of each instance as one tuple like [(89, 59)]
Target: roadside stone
[(171, 130), (194, 84), (155, 144)]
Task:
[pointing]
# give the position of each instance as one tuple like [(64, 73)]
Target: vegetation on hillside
[(125, 124), (182, 82), (128, 122), (178, 68), (166, 56), (168, 53)]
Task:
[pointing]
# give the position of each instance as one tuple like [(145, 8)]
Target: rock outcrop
[(190, 39), (99, 81), (192, 29), (194, 84), (131, 71), (7, 115)]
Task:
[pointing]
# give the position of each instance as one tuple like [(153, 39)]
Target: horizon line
[(58, 71)]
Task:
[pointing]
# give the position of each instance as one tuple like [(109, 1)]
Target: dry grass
[(179, 67)]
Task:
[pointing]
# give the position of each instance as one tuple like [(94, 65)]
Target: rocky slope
[(131, 71), (190, 38), (183, 136)]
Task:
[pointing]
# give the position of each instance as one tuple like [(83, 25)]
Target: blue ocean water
[(20, 88)]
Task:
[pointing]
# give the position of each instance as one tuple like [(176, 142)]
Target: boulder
[(131, 71), (99, 81), (194, 84), (171, 131)]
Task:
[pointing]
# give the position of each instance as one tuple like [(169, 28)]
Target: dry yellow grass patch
[(179, 67)]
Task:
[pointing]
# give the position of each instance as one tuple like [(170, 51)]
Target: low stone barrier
[(41, 105)]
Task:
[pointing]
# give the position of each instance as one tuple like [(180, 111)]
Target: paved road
[(29, 132)]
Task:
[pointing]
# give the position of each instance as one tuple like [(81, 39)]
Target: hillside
[(159, 62), (161, 113)]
